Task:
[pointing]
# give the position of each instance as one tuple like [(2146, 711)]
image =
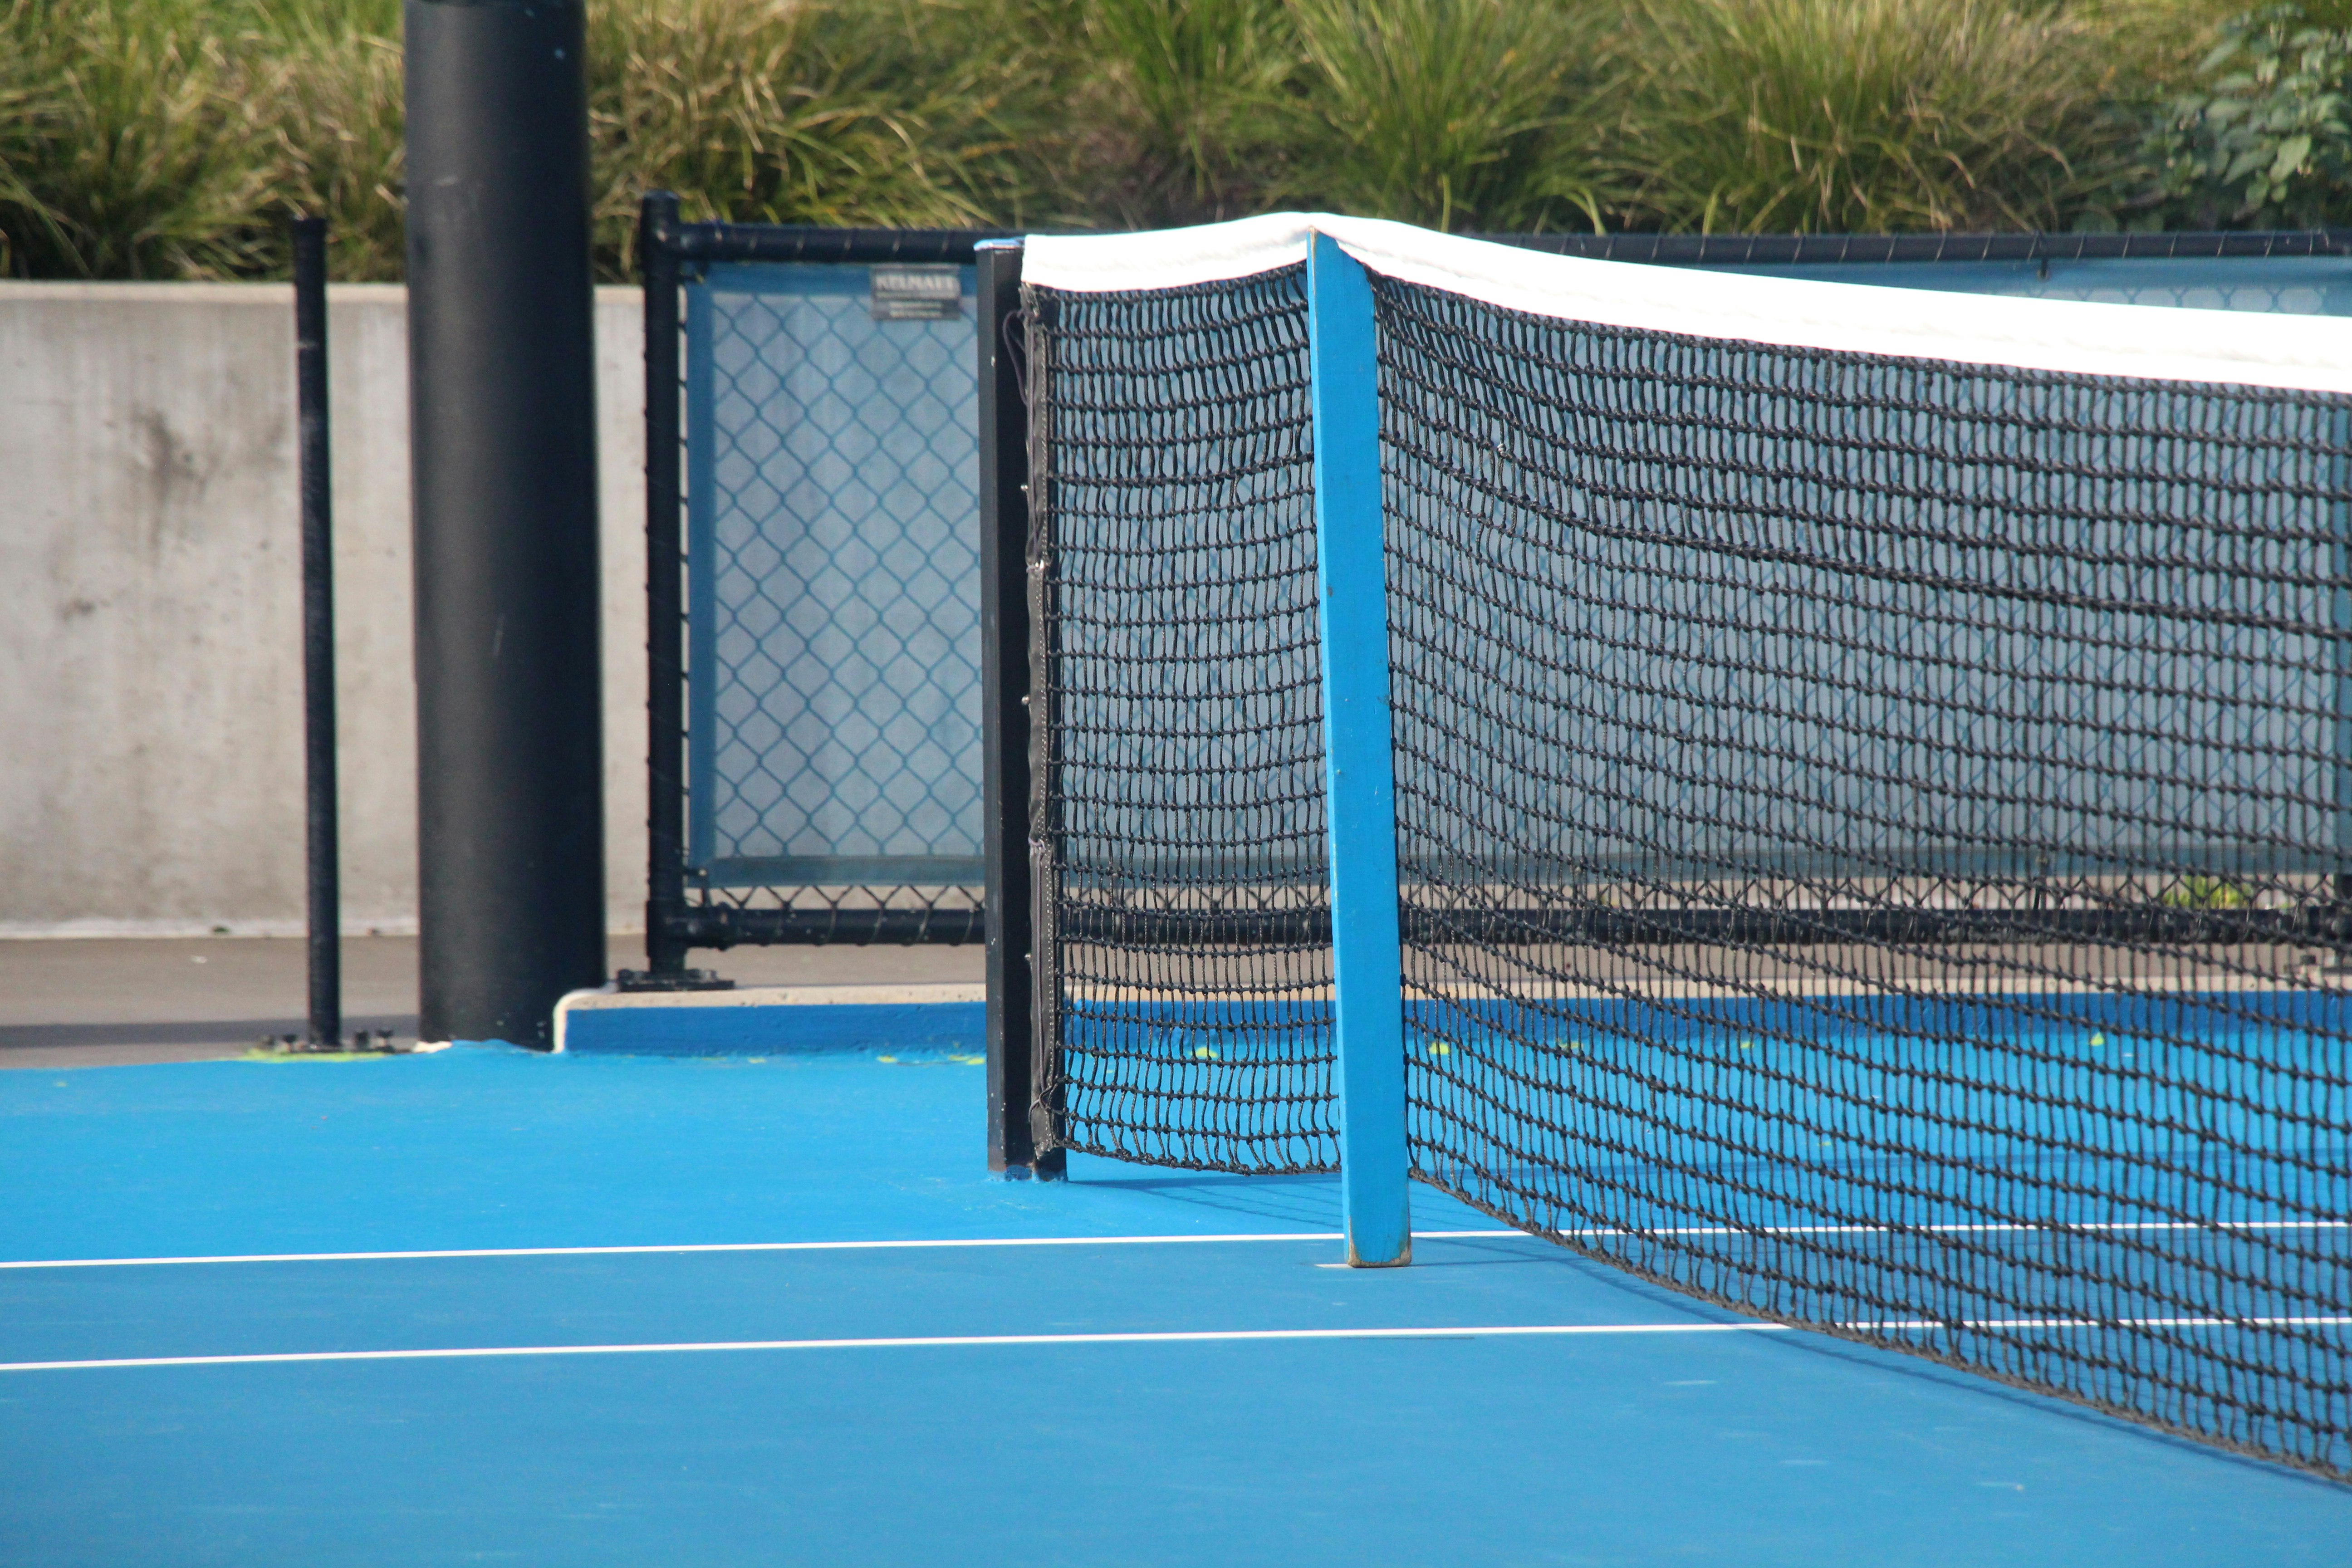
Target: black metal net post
[(666, 946), (1004, 715), (1048, 1107), (322, 850)]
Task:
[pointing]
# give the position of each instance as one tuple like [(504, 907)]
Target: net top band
[(2309, 354)]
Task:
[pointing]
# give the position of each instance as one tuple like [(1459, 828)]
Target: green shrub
[(1188, 100), (124, 150), (332, 78), (1860, 115), (790, 112), (167, 138), (2265, 138), (1454, 113)]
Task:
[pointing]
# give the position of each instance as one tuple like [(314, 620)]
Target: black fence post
[(1004, 717), (502, 375), (666, 948), (322, 850)]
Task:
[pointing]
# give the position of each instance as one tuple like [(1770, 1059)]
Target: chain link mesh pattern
[(833, 601), (1866, 828), (1183, 917)]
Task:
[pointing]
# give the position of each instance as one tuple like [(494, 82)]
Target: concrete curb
[(775, 1020)]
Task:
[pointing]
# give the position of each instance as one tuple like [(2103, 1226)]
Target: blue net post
[(1359, 766)]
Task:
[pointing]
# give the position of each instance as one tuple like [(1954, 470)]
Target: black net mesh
[(1870, 830), (1183, 924), (1861, 822)]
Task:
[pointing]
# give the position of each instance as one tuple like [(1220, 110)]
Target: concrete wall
[(151, 720)]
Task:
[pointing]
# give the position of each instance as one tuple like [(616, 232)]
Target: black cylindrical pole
[(322, 851), (502, 443)]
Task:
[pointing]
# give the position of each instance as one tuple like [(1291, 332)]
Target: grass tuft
[(124, 149), (1859, 116), (1452, 113), (1197, 90)]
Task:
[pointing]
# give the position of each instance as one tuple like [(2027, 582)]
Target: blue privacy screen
[(832, 600)]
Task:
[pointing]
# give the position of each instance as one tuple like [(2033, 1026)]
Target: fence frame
[(672, 253)]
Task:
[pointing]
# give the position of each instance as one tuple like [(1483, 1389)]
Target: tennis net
[(1874, 781)]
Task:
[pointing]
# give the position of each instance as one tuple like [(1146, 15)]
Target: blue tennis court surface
[(1134, 1367)]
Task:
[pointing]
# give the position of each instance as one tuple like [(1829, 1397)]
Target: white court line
[(1581, 1235), (724, 1246), (2223, 1225), (926, 1342), (912, 1341), (1991, 1325)]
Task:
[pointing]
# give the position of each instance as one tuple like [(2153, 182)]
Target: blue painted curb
[(786, 1030)]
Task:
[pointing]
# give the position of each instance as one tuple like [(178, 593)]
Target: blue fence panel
[(834, 601)]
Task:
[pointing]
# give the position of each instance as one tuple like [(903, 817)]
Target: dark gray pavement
[(96, 1002)]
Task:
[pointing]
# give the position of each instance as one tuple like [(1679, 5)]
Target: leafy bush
[(1458, 113), (1188, 98), (1454, 113), (1864, 115), (775, 111), (167, 138), (2264, 139), (332, 78), (124, 150)]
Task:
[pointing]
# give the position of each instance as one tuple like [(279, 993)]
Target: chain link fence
[(813, 475), (834, 617)]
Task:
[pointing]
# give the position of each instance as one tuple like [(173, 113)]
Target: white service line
[(721, 1247), (912, 1341), (1994, 1325), (949, 1340), (2067, 1227)]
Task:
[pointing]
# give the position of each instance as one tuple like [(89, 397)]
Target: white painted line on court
[(1200, 1336), (1993, 1325), (726, 1246), (910, 1342), (2056, 1226), (2065, 1227)]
